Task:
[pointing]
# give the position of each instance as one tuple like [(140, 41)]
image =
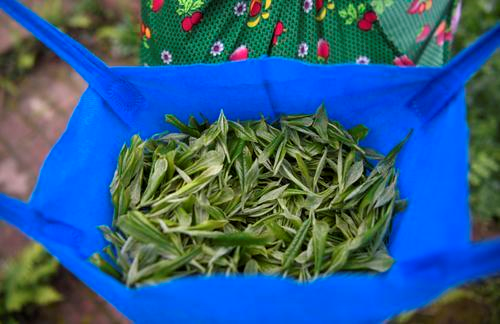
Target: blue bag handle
[(121, 95), (28, 220), (465, 263), (453, 76)]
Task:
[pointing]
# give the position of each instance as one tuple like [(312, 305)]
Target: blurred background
[(38, 93)]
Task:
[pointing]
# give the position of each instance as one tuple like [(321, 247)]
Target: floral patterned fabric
[(400, 32)]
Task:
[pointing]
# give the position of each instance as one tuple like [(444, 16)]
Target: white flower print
[(240, 8), (303, 49), (166, 57), (217, 48), (308, 4), (362, 60)]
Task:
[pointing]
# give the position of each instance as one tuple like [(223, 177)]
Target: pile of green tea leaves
[(298, 197)]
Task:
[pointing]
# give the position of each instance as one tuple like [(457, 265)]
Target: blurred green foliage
[(111, 31), (483, 99), (25, 284)]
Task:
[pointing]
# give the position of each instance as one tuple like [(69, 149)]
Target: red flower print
[(366, 23), (413, 7), (239, 54), (156, 5), (278, 30), (323, 50), (186, 24), (370, 16), (424, 32), (444, 37), (255, 7), (190, 21), (403, 60), (191, 13), (258, 10), (319, 5), (196, 17), (440, 39)]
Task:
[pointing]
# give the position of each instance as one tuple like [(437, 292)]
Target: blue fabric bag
[(430, 240)]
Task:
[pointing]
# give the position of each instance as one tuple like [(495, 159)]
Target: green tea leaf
[(359, 132), (158, 173), (321, 123), (242, 132), (294, 247), (319, 169), (272, 195), (172, 120), (319, 236), (164, 268), (251, 267), (100, 262), (354, 173), (339, 258), (297, 197), (239, 239), (271, 148), (137, 225)]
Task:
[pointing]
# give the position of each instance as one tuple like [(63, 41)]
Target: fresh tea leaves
[(298, 197)]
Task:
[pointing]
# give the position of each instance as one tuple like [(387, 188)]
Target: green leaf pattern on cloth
[(188, 6), (352, 13), (380, 5)]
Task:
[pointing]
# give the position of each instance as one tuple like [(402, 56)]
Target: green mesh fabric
[(400, 32)]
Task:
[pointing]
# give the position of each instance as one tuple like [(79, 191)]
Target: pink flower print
[(239, 54), (424, 32), (403, 60), (323, 50)]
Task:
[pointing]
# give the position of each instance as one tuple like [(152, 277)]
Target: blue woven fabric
[(430, 239)]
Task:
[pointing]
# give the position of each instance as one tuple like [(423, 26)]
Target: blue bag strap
[(467, 263), (22, 216), (453, 76), (122, 96)]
